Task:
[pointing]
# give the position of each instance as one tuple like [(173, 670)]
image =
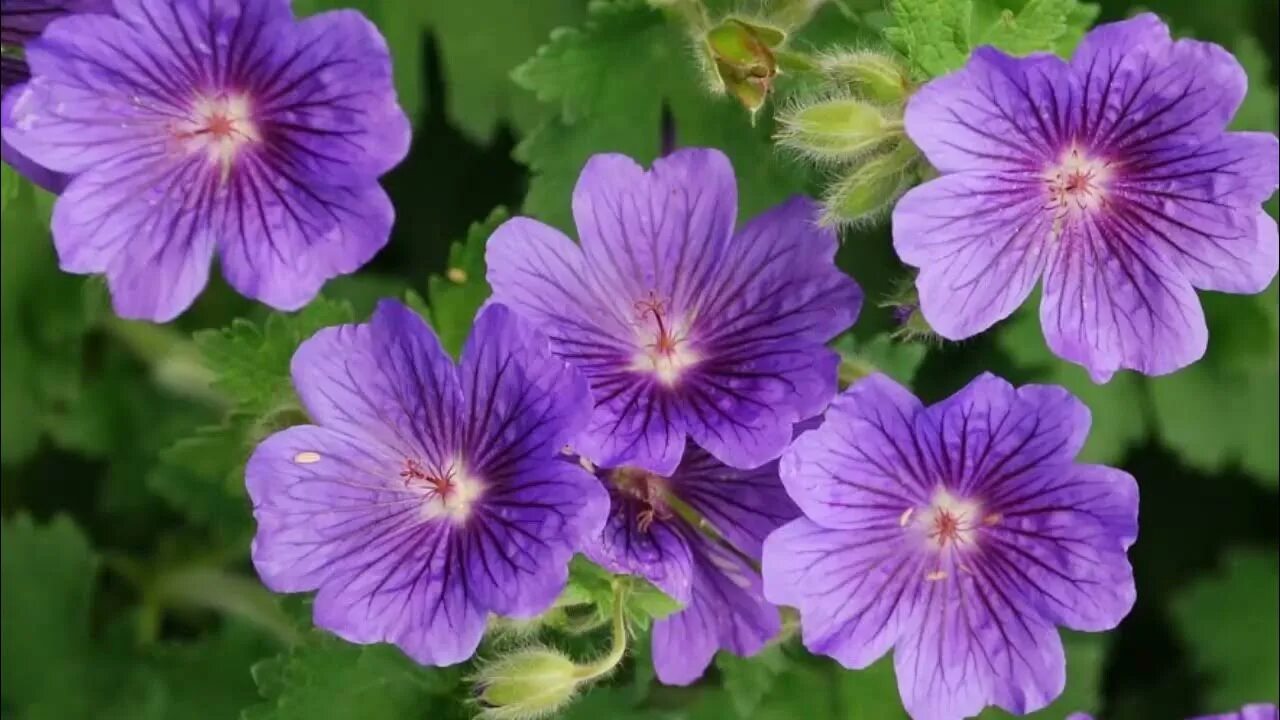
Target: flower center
[(447, 492), (220, 125), (648, 489), (947, 523), (664, 349), (1076, 184)]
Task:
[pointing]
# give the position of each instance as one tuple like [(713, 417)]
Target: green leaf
[(611, 78), (325, 677), (1039, 26), (251, 362), (1116, 408), (454, 298), (1228, 621), (898, 360), (932, 34), (209, 677), (46, 582), (9, 182), (202, 475), (749, 680), (591, 584)]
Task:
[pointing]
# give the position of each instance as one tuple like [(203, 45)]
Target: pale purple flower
[(428, 495), (1111, 177), (959, 535), (1254, 711), (707, 565), (21, 21), (684, 328), (191, 127)]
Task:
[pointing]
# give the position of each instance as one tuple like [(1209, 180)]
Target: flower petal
[(1110, 302), (657, 552), (52, 181), (727, 611), (854, 588), (1144, 91), (743, 506), (864, 467), (998, 113), (1198, 206), (981, 242), (387, 381), (154, 244)]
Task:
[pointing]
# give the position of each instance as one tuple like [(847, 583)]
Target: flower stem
[(606, 664), (174, 361)]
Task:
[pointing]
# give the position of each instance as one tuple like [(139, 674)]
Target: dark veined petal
[(332, 516), (743, 506), (648, 546), (387, 381), (1198, 206), (865, 466), (727, 611), (997, 114), (980, 240), (855, 589), (992, 433), (1142, 90), (1111, 302)]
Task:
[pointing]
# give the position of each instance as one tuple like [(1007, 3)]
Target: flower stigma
[(220, 125), (1077, 184), (664, 348), (449, 492)]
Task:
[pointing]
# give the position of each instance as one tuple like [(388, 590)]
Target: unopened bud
[(872, 75), (532, 683), (742, 52), (871, 188), (837, 129), (905, 306)]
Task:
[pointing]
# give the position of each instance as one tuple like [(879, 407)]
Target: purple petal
[(388, 382), (52, 181), (1253, 711), (727, 611), (1144, 91), (998, 113), (855, 589), (743, 506), (650, 547), (1110, 302), (864, 467), (981, 241)]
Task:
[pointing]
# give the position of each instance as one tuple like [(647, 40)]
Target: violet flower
[(1111, 177), (684, 328), (706, 562), (959, 535), (428, 495), (191, 127)]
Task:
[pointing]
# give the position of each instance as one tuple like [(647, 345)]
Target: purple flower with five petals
[(429, 494), (20, 22), (1111, 177), (706, 563), (195, 126), (684, 328), (958, 534), (1255, 711)]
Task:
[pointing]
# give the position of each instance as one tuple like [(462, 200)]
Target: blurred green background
[(126, 587)]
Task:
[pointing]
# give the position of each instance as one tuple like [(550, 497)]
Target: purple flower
[(195, 126), (428, 495), (707, 564), (959, 535), (1112, 177), (684, 328), (1255, 711), (20, 22)]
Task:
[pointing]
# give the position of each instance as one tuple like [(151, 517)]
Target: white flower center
[(220, 125), (663, 348), (1076, 184), (446, 493), (947, 523)]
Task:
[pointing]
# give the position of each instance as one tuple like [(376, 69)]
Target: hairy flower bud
[(871, 188), (873, 75), (742, 52), (837, 129), (531, 683)]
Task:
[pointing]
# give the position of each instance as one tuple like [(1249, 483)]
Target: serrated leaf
[(749, 680), (325, 677), (46, 582), (1116, 408), (932, 34), (1228, 621), (611, 79), (899, 360), (1041, 25), (454, 298)]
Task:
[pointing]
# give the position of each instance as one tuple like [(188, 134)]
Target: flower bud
[(871, 188), (531, 683), (905, 306), (872, 75), (837, 129), (742, 53)]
